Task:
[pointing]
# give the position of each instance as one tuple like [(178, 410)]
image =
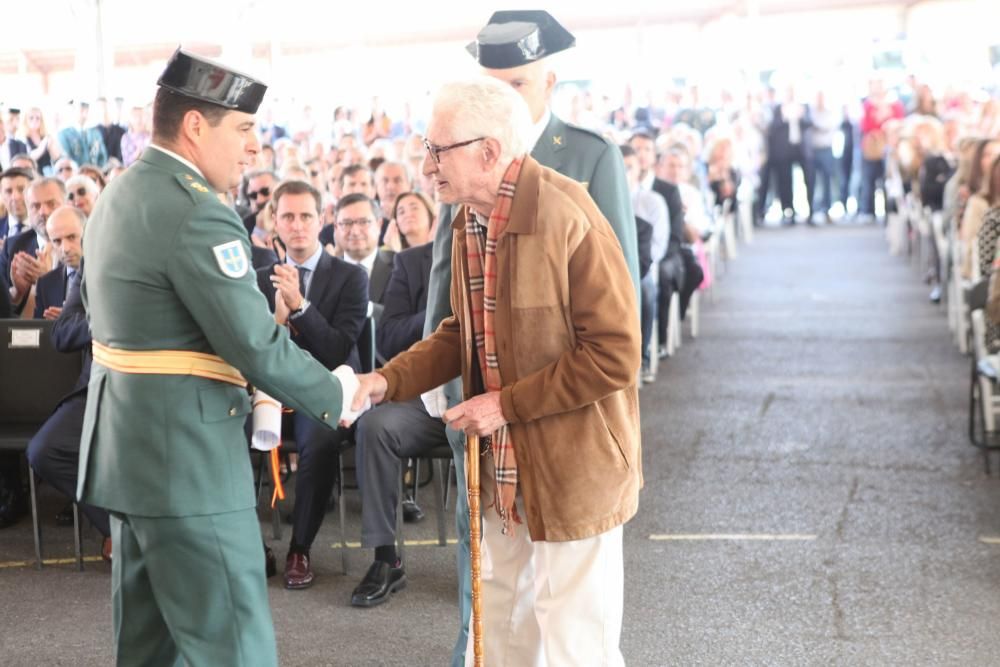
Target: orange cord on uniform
[(279, 489)]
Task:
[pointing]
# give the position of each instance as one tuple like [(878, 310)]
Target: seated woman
[(977, 205), (413, 222)]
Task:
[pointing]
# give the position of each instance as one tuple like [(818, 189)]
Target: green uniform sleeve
[(235, 319), (608, 188)]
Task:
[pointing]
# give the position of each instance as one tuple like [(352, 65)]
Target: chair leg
[(35, 527), (76, 538), (342, 511), (442, 481), (400, 539)]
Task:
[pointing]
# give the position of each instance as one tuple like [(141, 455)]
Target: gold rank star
[(199, 187), (557, 140)]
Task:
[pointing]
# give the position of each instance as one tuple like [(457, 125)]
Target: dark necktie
[(303, 272), (18, 228)]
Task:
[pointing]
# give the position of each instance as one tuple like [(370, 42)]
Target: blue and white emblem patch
[(232, 260)]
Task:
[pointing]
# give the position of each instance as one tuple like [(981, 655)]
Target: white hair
[(485, 107), (86, 181)]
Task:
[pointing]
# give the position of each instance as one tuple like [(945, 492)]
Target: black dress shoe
[(411, 511), (381, 581)]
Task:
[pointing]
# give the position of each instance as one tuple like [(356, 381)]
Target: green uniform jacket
[(174, 445)]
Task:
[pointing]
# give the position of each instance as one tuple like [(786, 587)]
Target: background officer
[(513, 48)]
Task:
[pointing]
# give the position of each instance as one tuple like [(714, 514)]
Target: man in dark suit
[(393, 432), (13, 186), (65, 232), (10, 145), (25, 258), (356, 232), (54, 452), (323, 301)]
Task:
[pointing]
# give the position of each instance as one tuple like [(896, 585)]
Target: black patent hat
[(515, 38), (192, 76)]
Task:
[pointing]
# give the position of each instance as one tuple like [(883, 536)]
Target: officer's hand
[(480, 415), (286, 281)]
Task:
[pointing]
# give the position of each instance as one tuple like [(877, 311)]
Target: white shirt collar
[(310, 263), (367, 263), (185, 162), (647, 182), (539, 128)]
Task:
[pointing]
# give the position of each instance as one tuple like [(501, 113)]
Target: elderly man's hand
[(480, 415), (371, 386)]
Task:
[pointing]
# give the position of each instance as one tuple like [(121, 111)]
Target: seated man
[(395, 431), (65, 232), (323, 301), (54, 452), (356, 233), (26, 258)]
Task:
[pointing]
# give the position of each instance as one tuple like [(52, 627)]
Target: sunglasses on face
[(80, 192), (263, 192), (66, 168)]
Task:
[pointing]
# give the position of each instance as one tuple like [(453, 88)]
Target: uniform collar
[(187, 163)]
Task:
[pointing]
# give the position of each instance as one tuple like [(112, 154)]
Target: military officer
[(513, 47), (179, 327)]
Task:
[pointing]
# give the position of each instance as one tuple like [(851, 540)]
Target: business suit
[(10, 148), (5, 227), (378, 280), (329, 330), (393, 432), (51, 290), (54, 452), (26, 241), (585, 157), (165, 452)]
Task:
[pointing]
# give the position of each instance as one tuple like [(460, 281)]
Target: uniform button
[(232, 412), (326, 415)]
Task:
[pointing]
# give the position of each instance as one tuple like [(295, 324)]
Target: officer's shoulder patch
[(585, 131), (232, 259), (192, 186)]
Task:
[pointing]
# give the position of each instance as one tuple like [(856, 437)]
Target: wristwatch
[(301, 309)]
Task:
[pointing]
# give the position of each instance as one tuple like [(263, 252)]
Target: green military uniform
[(511, 39), (168, 269)]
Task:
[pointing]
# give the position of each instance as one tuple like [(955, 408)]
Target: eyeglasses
[(347, 223), (435, 151), (80, 192), (263, 192), (65, 168)]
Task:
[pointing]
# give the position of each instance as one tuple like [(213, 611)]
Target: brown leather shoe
[(298, 573), (106, 550)]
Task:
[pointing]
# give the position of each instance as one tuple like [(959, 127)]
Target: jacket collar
[(524, 209)]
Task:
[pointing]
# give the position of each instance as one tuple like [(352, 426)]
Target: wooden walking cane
[(475, 555)]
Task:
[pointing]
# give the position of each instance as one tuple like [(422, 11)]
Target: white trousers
[(548, 604)]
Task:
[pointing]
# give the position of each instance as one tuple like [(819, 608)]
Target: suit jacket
[(5, 227), (50, 290), (71, 332), (672, 195), (26, 241), (5, 308), (378, 280), (568, 349), (338, 304), (16, 146), (585, 157), (261, 258), (402, 322), (168, 268)]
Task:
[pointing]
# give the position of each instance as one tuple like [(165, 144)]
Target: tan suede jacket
[(568, 344)]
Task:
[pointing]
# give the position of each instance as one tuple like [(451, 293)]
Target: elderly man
[(65, 233), (26, 257), (545, 336)]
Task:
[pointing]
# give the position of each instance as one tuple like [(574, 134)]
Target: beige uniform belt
[(167, 362)]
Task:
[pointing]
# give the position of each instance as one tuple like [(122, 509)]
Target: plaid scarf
[(482, 246)]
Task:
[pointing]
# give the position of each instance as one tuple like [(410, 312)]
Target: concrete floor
[(823, 404)]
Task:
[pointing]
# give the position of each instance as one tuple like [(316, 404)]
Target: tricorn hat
[(515, 38), (193, 76)]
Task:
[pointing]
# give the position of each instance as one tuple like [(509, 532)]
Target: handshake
[(359, 393)]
